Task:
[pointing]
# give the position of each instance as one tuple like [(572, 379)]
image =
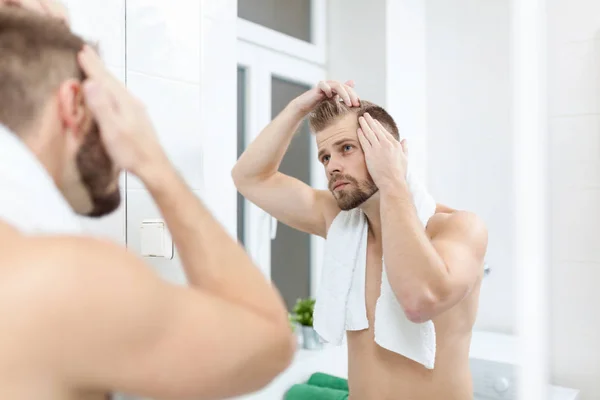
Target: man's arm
[(213, 261), (117, 326), (229, 295), (286, 198), (256, 174), (429, 276)]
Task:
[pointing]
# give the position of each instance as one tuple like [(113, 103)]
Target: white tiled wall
[(179, 58), (574, 100), (163, 70), (469, 137)]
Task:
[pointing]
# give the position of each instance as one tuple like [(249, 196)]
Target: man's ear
[(71, 107)]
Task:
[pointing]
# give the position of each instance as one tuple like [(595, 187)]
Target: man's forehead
[(345, 128)]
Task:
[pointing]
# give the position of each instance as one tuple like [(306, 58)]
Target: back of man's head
[(37, 54)]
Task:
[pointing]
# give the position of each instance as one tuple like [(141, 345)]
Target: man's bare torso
[(376, 373), (28, 366)]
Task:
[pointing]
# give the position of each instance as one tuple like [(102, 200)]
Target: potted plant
[(303, 316)]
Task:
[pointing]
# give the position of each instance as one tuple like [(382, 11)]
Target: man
[(84, 317), (50, 8), (434, 271)]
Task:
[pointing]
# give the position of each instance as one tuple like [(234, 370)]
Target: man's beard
[(96, 170), (354, 194)]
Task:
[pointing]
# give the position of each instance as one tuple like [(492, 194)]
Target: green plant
[(303, 312), (292, 321)]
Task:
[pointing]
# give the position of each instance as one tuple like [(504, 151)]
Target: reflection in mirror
[(437, 74)]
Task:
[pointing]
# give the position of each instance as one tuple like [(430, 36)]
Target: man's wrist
[(296, 111), (157, 174), (393, 185)]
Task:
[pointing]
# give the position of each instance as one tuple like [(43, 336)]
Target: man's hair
[(331, 110), (37, 54)]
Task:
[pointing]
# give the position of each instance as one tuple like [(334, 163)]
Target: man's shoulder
[(55, 268), (463, 225)]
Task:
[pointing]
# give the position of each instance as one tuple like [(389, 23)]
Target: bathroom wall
[(386, 57), (469, 133), (179, 59), (574, 108)]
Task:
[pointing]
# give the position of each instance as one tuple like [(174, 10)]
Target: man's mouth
[(339, 185)]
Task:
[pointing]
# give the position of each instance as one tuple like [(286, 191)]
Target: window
[(293, 27), (267, 81), (292, 18)]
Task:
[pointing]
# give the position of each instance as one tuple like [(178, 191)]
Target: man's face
[(344, 161), (98, 174)]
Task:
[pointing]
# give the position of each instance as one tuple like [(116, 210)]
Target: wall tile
[(573, 20), (174, 108), (575, 220), (575, 152), (140, 207), (574, 326), (163, 38), (102, 22), (574, 73)]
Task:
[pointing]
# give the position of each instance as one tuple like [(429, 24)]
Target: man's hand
[(125, 128), (386, 158), (51, 8), (306, 102)]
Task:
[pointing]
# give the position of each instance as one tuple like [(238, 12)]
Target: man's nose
[(334, 166)]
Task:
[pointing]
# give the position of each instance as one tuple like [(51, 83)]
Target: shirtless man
[(435, 273), (83, 317)]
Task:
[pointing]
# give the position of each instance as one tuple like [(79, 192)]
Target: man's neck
[(45, 151), (372, 210)]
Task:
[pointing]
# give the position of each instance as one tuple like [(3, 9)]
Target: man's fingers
[(385, 132), (353, 96), (56, 9), (342, 92), (102, 106), (92, 64), (32, 5), (325, 88), (368, 132), (364, 142), (95, 69), (377, 129), (404, 145)]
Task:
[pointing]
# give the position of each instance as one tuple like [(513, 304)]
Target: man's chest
[(373, 277)]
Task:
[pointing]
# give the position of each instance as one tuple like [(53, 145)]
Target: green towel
[(328, 381), (308, 392)]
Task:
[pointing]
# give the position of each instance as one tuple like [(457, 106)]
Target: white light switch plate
[(155, 239)]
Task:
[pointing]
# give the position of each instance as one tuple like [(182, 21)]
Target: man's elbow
[(277, 355), (419, 309), (284, 348), (423, 304), (236, 175)]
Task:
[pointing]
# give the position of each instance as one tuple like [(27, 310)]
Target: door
[(267, 82)]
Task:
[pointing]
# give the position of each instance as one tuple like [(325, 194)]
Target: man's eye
[(348, 147)]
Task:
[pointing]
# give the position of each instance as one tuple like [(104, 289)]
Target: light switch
[(155, 239)]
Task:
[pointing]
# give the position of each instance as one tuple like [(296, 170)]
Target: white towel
[(340, 301), (29, 198)]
